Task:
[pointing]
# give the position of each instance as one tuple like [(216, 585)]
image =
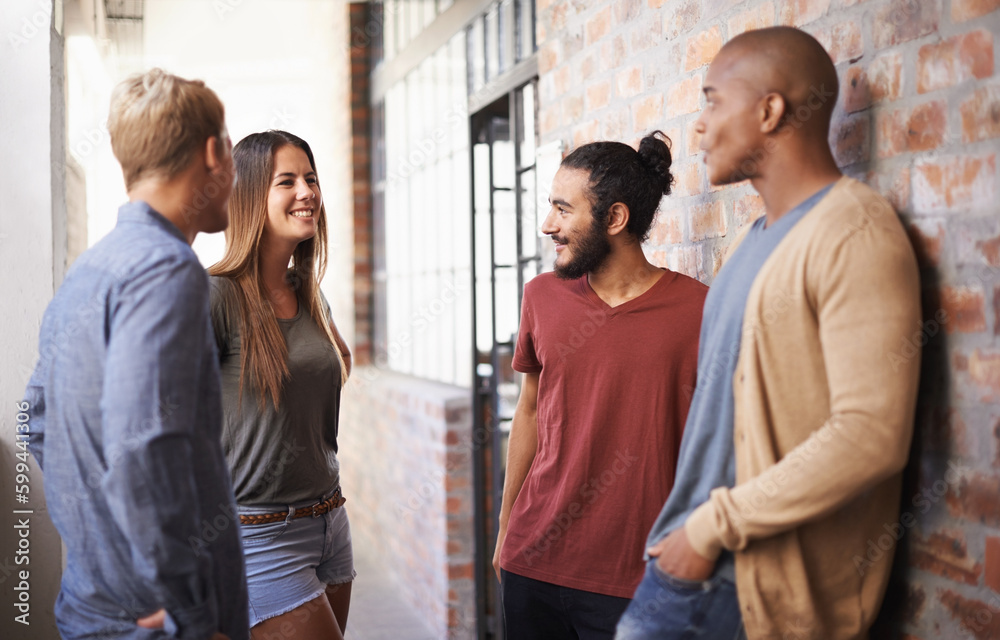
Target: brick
[(688, 180), (885, 77), (460, 571), (572, 108), (976, 617), (616, 123), (981, 115), (960, 182), (588, 66), (647, 113), (584, 133), (945, 554), (904, 20), (673, 134), (686, 260), (996, 326), (702, 48), (747, 209), (850, 140), (659, 258), (548, 56), (965, 309), (692, 139), (549, 119), (984, 373), (598, 95), (842, 41), (992, 574), (799, 12), (955, 60), (854, 87), (684, 96), (757, 17), (457, 482), (962, 10), (925, 128), (598, 26), (646, 35), (628, 82), (976, 498), (563, 78), (683, 18), (626, 10), (708, 220), (667, 230), (612, 53), (990, 249), (661, 69)]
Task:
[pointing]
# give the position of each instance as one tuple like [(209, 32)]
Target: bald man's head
[(764, 87), (792, 63)]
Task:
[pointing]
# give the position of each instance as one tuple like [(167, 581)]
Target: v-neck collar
[(665, 280)]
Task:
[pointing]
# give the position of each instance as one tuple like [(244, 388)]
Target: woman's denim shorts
[(291, 562)]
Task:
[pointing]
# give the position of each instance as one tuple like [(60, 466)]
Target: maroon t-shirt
[(614, 389)]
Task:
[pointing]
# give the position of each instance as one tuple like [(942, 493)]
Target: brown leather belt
[(320, 508)]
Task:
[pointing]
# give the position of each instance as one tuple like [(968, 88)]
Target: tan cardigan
[(825, 390)]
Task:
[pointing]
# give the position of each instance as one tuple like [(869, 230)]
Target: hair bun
[(654, 153)]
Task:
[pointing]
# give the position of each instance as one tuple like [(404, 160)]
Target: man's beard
[(590, 250)]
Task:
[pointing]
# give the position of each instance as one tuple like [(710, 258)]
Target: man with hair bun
[(608, 348), (800, 427), (125, 404)]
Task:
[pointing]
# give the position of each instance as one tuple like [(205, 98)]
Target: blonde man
[(125, 401)]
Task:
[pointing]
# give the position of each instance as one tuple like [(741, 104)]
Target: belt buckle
[(316, 509)]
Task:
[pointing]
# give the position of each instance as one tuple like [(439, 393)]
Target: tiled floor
[(378, 612)]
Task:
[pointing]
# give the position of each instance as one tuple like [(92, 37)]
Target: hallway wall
[(33, 246)]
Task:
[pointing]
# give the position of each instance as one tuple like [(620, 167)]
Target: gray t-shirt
[(707, 459), (288, 454)]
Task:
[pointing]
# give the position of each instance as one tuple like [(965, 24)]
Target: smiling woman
[(283, 364)]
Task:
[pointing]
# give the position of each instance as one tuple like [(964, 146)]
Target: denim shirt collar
[(140, 212)]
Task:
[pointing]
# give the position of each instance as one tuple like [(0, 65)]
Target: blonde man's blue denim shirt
[(125, 418)]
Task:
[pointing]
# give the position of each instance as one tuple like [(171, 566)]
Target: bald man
[(800, 427)]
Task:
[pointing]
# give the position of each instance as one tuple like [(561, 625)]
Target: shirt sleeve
[(866, 438), (525, 357), (34, 397), (155, 360), (342, 347)]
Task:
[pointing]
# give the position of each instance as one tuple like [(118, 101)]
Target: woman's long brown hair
[(264, 353)]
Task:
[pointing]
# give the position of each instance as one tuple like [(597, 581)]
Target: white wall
[(32, 261)]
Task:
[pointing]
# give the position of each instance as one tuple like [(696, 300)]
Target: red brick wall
[(918, 118), (406, 468), (361, 183)]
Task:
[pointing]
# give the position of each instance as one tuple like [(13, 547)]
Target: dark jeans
[(668, 608), (535, 610)]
